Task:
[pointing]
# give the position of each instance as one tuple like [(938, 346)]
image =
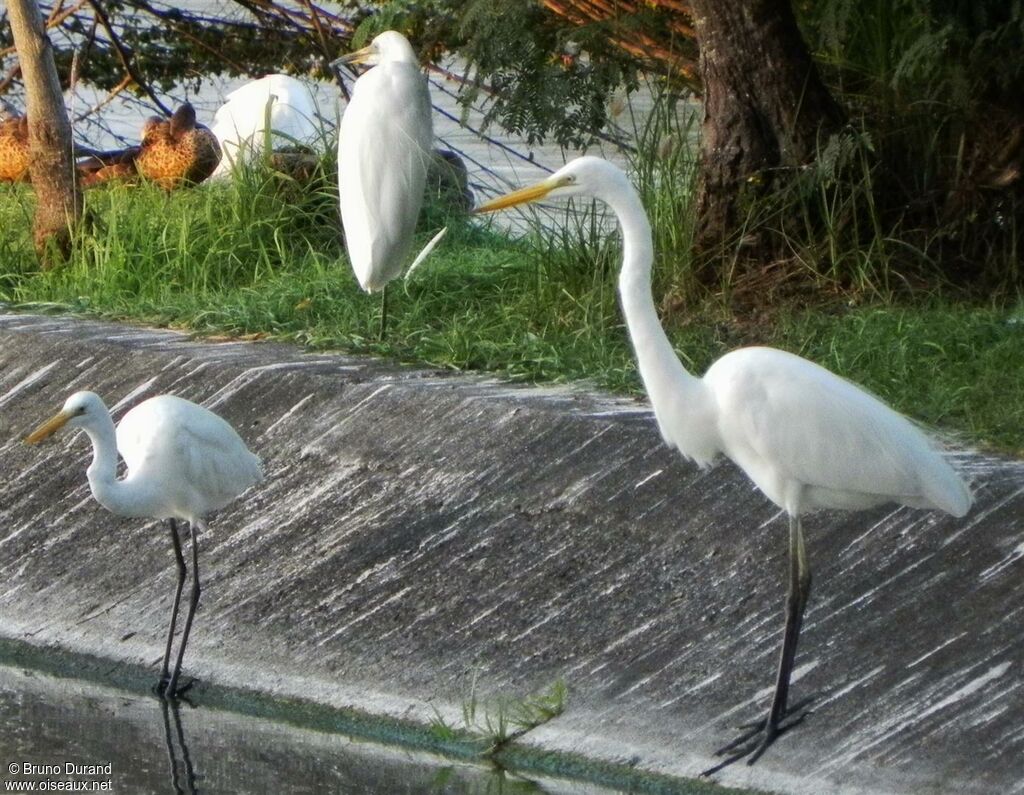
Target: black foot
[(757, 736), (164, 690)]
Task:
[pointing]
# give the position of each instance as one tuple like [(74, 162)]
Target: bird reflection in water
[(175, 739)]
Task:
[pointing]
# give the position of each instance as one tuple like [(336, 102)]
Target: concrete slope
[(419, 529)]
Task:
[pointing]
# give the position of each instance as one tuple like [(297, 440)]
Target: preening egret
[(384, 149), (277, 103), (807, 438), (183, 462), (177, 151), (14, 157)]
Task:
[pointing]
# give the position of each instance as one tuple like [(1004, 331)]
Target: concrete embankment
[(418, 531)]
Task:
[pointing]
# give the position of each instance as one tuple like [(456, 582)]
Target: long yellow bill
[(528, 194), (359, 56), (48, 428)]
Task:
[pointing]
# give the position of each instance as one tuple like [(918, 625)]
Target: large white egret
[(807, 438), (384, 147), (183, 462)]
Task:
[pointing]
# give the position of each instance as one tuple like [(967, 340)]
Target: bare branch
[(52, 21), (125, 82), (126, 57)]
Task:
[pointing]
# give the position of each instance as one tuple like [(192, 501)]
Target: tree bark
[(52, 167), (765, 107)]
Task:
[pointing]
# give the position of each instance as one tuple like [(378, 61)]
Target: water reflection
[(157, 748), (173, 710)]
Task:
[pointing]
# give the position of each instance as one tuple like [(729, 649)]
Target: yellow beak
[(48, 428), (359, 56), (529, 194)]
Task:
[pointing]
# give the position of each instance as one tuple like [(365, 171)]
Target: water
[(151, 748)]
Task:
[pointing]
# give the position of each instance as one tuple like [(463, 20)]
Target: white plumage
[(384, 147), (806, 437), (183, 462), (283, 103), (199, 461), (810, 439)]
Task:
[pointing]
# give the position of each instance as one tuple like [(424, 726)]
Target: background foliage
[(922, 191)]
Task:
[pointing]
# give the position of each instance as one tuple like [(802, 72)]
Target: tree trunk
[(765, 107), (52, 167)]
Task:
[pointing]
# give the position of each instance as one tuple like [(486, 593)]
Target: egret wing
[(196, 456), (240, 122), (217, 462), (823, 431)]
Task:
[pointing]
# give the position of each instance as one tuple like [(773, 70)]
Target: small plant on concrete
[(506, 719), (442, 730), (538, 709)]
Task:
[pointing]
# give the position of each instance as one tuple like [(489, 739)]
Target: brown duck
[(174, 152), (117, 165), (177, 151), (14, 150), (14, 156)]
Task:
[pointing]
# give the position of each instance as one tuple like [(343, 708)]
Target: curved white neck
[(660, 368), (682, 403), (117, 496)]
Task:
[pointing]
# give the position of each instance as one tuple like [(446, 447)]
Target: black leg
[(186, 758), (761, 734), (179, 561), (796, 601), (172, 687), (383, 313)]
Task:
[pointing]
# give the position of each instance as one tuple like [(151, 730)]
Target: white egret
[(278, 107), (807, 438), (384, 148), (183, 462)]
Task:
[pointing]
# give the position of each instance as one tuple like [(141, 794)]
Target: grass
[(263, 256), (494, 724)]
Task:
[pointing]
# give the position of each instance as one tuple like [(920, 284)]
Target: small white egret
[(183, 462), (807, 438), (384, 148)]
